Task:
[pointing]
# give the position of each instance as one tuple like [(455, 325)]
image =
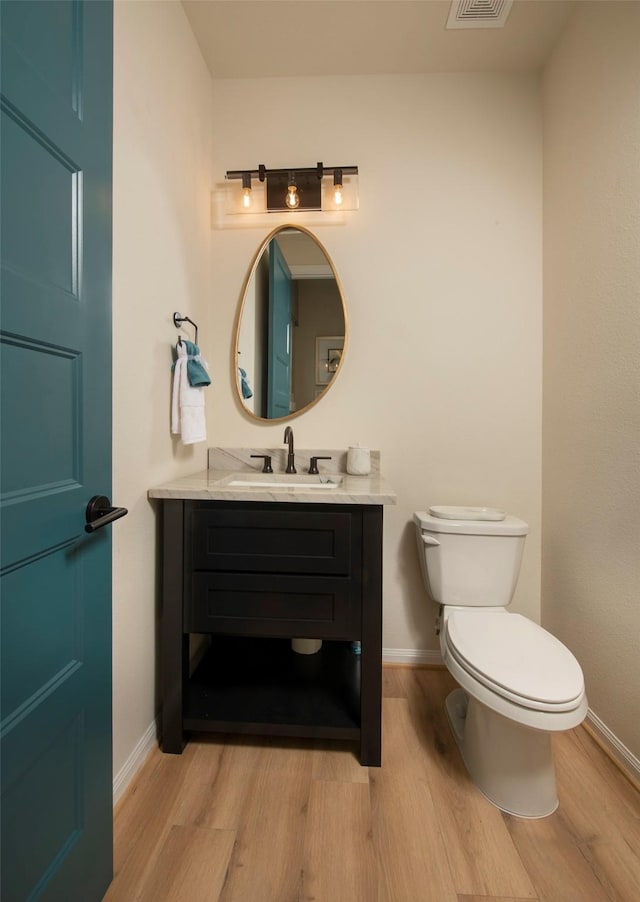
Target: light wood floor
[(238, 819)]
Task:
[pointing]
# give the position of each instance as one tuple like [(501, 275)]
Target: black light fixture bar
[(308, 180), (263, 173)]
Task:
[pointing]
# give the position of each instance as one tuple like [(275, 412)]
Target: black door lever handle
[(100, 512)]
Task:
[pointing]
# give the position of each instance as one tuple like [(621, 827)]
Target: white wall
[(161, 263), (591, 473), (441, 269)]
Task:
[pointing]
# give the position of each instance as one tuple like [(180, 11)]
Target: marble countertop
[(232, 465), (213, 485)]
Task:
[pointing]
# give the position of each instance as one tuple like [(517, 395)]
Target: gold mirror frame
[(236, 360)]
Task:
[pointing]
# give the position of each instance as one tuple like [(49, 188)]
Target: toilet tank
[(470, 563)]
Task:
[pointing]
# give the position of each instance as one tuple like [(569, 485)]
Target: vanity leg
[(174, 643), (371, 657)]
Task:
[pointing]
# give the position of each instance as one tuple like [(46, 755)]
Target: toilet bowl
[(518, 683)]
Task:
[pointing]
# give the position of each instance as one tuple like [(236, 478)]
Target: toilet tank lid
[(509, 526), (449, 512)]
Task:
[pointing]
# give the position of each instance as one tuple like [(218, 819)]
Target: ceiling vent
[(479, 13)]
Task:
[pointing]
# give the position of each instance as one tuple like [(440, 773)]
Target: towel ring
[(178, 318)]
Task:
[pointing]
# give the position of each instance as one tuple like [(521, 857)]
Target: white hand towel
[(187, 404)]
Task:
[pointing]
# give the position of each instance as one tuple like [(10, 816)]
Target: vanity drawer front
[(273, 541), (273, 605)]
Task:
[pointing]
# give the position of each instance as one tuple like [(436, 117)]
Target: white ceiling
[(265, 38)]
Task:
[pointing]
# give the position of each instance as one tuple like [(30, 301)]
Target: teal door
[(55, 446), (279, 357)]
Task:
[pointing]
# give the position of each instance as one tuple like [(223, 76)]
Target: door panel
[(55, 445), (50, 394), (22, 616), (50, 37), (38, 246)]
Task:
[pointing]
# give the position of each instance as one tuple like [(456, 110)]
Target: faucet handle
[(313, 465), (267, 468)]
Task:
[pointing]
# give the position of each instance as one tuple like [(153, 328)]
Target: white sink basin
[(281, 481)]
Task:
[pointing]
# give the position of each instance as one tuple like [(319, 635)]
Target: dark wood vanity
[(251, 575)]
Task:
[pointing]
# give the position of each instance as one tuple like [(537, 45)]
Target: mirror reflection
[(292, 326)]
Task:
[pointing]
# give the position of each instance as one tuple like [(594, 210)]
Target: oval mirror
[(292, 326)]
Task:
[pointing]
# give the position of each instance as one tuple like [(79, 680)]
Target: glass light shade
[(235, 197), (336, 198)]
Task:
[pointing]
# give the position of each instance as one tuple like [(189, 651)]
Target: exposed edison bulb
[(246, 190), (292, 200), (337, 187)]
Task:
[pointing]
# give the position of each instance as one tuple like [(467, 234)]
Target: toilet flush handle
[(429, 540)]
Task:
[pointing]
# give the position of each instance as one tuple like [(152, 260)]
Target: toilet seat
[(515, 658)]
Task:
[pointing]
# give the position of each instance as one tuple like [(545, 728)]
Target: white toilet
[(519, 683)]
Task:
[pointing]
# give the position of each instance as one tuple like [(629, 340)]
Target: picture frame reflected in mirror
[(328, 357)]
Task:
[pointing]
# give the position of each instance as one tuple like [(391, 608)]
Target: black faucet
[(288, 437)]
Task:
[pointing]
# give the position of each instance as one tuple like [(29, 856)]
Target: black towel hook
[(178, 318)]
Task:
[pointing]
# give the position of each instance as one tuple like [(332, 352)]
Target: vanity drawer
[(273, 605), (279, 539)]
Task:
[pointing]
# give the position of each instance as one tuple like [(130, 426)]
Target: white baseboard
[(411, 656), (613, 747), (135, 761)]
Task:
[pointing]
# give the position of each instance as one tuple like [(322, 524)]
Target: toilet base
[(512, 765)]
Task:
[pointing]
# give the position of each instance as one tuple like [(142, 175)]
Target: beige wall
[(161, 263), (441, 269), (591, 426)]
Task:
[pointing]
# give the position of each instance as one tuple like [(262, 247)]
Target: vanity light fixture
[(319, 187), (333, 360)]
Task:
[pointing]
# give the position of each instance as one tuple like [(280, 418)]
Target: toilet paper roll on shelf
[(306, 646)]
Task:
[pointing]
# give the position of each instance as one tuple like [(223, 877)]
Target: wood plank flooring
[(245, 819)]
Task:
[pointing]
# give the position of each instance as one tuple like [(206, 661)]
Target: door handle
[(100, 512)]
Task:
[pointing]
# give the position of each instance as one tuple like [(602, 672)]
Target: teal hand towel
[(196, 372), (244, 384)]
